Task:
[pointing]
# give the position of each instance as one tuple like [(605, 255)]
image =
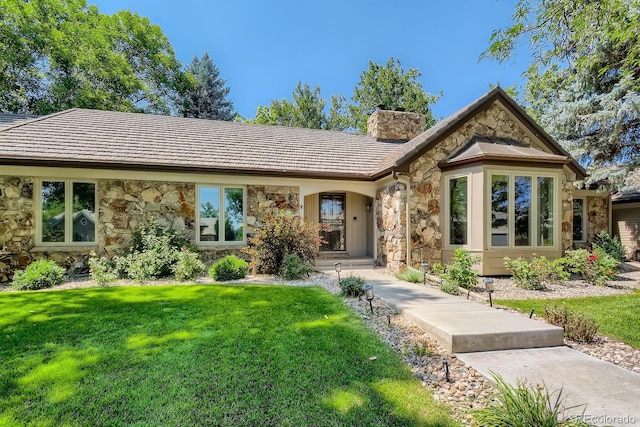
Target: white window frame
[(447, 208), (222, 214), (68, 212), (534, 174), (584, 219)]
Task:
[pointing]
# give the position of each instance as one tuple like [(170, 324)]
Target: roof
[(485, 148), (626, 197), (10, 119), (116, 140)]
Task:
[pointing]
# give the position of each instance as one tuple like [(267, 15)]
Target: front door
[(332, 215)]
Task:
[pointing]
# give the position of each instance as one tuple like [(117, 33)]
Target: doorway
[(332, 216)]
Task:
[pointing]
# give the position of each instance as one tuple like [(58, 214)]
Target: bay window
[(67, 212), (221, 214)]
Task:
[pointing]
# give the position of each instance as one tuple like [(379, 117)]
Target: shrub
[(155, 249), (596, 268), (449, 288), (294, 269), (525, 406), (577, 327), (229, 268), (611, 245), (187, 265), (411, 275), (281, 234), (38, 275), (536, 274), (103, 270), (351, 286), (459, 271)]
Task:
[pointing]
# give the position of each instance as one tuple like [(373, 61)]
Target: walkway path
[(527, 349)]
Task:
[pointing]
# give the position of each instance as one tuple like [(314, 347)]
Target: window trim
[(584, 219), (221, 221), (68, 212), (534, 174), (447, 208)]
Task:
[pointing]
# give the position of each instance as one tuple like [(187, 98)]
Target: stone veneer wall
[(16, 224), (425, 176), (597, 216), (391, 225), (388, 125), (270, 198)]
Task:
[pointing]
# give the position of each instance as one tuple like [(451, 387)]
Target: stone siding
[(391, 226), (17, 225), (270, 198), (385, 125), (597, 216)]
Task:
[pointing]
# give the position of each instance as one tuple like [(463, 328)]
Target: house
[(626, 222), (487, 179)]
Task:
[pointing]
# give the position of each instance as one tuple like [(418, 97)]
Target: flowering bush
[(460, 271), (536, 274), (596, 268)]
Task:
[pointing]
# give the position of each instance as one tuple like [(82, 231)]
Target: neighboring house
[(487, 179), (626, 222)]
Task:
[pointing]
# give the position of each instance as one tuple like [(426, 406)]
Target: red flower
[(592, 258)]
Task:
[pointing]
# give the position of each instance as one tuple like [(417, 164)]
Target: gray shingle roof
[(10, 119), (113, 139)]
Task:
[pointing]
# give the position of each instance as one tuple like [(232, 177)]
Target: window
[(67, 212), (221, 214), (578, 220), (515, 199), (458, 211)]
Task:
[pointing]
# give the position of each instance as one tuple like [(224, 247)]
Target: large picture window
[(67, 212), (523, 210), (458, 220), (221, 214)]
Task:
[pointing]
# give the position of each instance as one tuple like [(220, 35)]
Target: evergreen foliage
[(206, 97)]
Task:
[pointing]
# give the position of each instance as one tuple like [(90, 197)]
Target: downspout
[(407, 182)]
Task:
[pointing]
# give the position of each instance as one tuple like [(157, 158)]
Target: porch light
[(425, 267), (488, 284), (338, 267), (368, 205), (368, 294)]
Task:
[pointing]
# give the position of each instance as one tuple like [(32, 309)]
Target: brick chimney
[(395, 126)]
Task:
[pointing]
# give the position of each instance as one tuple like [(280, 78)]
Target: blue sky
[(263, 48)]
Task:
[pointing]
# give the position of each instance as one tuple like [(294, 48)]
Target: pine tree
[(206, 98)]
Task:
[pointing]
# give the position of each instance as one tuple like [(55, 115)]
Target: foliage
[(525, 406), (187, 265), (278, 235), (411, 275), (584, 80), (438, 269), (577, 327), (596, 268), (294, 269), (611, 245), (390, 86), (63, 54), (422, 347), (206, 98), (150, 232), (536, 274), (39, 274), (103, 270), (460, 272), (229, 268), (449, 288), (351, 286), (153, 355)]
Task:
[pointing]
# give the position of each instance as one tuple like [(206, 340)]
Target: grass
[(617, 316), (411, 275), (200, 355)]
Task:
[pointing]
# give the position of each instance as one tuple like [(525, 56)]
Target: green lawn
[(199, 355), (617, 316)]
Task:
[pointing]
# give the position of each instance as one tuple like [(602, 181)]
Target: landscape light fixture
[(445, 365), (425, 268), (488, 284), (368, 294), (338, 267)]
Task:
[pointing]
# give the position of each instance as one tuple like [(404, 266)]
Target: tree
[(389, 86), (305, 110), (584, 80), (59, 54), (206, 97)]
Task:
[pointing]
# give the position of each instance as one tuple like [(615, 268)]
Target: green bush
[(524, 406), (536, 274), (281, 234), (459, 271), (229, 268), (411, 275), (38, 275), (351, 286), (577, 327), (187, 265), (294, 269), (449, 288), (611, 245), (596, 268), (103, 270)]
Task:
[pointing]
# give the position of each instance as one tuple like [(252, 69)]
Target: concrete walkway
[(514, 347)]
